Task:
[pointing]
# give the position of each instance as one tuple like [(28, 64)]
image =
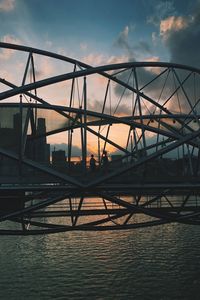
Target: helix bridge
[(57, 112)]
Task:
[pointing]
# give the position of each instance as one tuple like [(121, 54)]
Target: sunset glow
[(120, 42)]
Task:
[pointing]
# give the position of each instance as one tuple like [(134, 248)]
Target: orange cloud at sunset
[(172, 23)]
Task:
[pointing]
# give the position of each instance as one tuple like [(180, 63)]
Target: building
[(42, 149), (59, 160), (11, 136)]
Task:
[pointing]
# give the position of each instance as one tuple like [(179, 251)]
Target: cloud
[(118, 59), (10, 39), (135, 50), (7, 5), (62, 51), (46, 68), (143, 47), (144, 74), (123, 42), (95, 59), (154, 38), (121, 110), (123, 37), (5, 54), (181, 36), (173, 24), (153, 70), (162, 10)]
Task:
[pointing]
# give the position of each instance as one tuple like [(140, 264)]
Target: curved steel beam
[(110, 119), (93, 70), (111, 77), (74, 61), (172, 146)]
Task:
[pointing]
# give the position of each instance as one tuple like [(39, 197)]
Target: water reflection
[(152, 263)]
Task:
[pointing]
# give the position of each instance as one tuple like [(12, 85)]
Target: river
[(162, 262)]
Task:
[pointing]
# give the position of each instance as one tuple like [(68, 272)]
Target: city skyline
[(99, 149), (120, 32)]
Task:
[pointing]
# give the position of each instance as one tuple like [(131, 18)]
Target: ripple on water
[(151, 263)]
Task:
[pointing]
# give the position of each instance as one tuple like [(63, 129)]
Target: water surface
[(151, 263)]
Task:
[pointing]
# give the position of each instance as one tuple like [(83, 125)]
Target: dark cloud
[(162, 89), (123, 42), (182, 40), (110, 109), (184, 43), (162, 10), (181, 36), (144, 75), (144, 47)]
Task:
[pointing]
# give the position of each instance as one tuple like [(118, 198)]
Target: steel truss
[(146, 112)]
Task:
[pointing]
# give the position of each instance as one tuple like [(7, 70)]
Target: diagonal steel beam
[(42, 168), (133, 165)]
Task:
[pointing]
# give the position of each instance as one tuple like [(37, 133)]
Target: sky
[(107, 30), (101, 32)]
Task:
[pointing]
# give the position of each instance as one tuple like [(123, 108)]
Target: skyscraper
[(42, 148)]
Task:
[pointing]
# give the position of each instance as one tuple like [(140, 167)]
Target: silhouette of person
[(92, 163), (104, 159)]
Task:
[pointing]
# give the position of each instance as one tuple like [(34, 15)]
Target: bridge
[(138, 121)]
